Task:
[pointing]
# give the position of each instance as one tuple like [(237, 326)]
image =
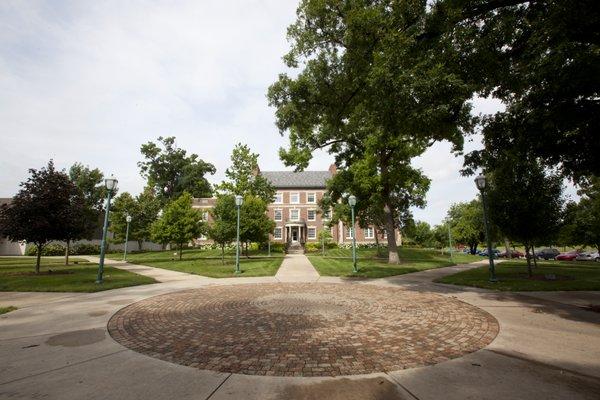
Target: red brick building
[(295, 209)]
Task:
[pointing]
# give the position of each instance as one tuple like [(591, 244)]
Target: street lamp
[(352, 202), (111, 186), (238, 203), (128, 219), (481, 182)]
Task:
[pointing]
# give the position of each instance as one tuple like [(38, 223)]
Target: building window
[(278, 198), (311, 198), (202, 237), (384, 234), (277, 233), (369, 233), (294, 215), (312, 215), (311, 233), (205, 215), (349, 233), (295, 198), (327, 214), (278, 215)]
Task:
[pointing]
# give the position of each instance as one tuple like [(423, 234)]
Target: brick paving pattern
[(303, 329)]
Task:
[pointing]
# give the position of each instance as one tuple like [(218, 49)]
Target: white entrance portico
[(295, 232)]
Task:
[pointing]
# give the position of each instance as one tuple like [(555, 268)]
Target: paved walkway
[(547, 347), (296, 268)]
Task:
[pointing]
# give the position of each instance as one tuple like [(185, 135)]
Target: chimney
[(332, 169)]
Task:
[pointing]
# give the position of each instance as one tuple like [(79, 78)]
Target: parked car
[(568, 256), (547, 254), (484, 253), (587, 257), (512, 253)]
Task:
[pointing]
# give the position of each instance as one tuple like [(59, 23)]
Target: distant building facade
[(295, 210)]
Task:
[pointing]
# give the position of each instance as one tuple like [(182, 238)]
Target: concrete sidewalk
[(547, 348), (296, 268)]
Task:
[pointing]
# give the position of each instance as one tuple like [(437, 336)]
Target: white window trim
[(278, 229), (308, 228), (291, 195), (348, 230), (275, 199), (369, 233), (313, 194), (280, 214), (292, 218), (314, 215)]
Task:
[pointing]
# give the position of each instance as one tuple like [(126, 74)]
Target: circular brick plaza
[(302, 329)]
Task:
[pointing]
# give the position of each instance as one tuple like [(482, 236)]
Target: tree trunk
[(39, 258), (393, 257), (180, 250), (67, 247), (377, 241), (223, 254), (533, 254), (528, 256), (140, 244), (507, 247), (247, 246)]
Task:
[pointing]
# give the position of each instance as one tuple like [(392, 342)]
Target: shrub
[(312, 247), (53, 249), (85, 249)]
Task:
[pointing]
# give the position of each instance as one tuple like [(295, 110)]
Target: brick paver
[(303, 329)]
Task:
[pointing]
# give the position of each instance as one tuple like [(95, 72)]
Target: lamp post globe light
[(352, 203), (238, 203), (481, 184), (111, 185), (128, 220)]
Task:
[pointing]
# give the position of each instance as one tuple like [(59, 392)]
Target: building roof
[(297, 180)]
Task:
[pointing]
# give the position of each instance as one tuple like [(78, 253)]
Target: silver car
[(588, 257)]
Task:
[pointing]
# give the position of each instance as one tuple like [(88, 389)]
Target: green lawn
[(338, 262), (576, 275), (4, 310), (18, 275), (208, 262)]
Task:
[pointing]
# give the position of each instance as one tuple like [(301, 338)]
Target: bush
[(53, 249), (312, 247), (85, 249)]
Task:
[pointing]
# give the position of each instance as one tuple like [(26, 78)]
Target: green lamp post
[(111, 186), (352, 203), (239, 200), (128, 220), (481, 183)]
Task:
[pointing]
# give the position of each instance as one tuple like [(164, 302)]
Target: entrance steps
[(295, 248)]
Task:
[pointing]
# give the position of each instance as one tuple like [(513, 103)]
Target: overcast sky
[(91, 81)]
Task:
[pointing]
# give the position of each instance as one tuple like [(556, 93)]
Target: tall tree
[(587, 219), (143, 209), (46, 208), (223, 229), (179, 223), (91, 184), (525, 203), (170, 171), (370, 91), (542, 59), (244, 177), (466, 223), (255, 225)]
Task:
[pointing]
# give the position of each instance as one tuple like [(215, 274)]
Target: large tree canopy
[(143, 209), (48, 207), (171, 172), (91, 183), (542, 59), (370, 90), (244, 178)]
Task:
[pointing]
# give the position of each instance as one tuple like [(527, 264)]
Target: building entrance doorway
[(294, 234)]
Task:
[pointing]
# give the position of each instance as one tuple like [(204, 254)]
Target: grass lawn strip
[(208, 262), (338, 262), (548, 276), (18, 275), (4, 310)]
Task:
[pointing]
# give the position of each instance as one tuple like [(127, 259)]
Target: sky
[(91, 81)]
